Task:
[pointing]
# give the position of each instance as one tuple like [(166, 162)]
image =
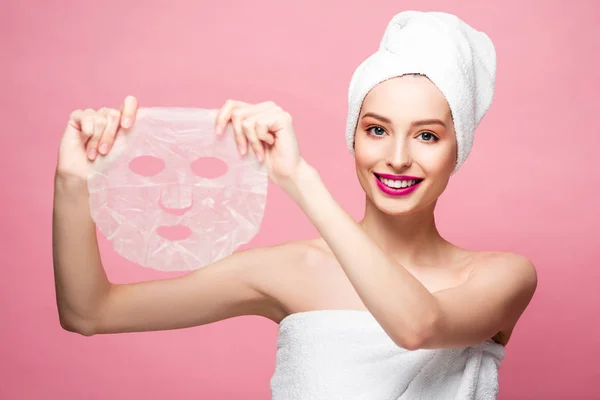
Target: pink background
[(530, 185)]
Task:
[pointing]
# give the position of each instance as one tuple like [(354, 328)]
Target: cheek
[(360, 157), (366, 153), (439, 158), (449, 157)]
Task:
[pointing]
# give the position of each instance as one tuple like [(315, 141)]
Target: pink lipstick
[(397, 191)]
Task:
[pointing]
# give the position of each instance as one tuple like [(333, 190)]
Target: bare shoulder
[(511, 267), (507, 261), (513, 274)]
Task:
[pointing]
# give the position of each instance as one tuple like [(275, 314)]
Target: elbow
[(420, 336), (78, 327), (413, 342)]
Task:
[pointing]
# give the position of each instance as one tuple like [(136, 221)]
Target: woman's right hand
[(90, 133)]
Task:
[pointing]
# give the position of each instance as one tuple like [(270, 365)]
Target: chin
[(393, 208)]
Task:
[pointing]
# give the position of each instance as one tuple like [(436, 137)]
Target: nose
[(399, 155), (176, 199)]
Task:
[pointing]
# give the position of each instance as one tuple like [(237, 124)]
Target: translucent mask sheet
[(171, 195)]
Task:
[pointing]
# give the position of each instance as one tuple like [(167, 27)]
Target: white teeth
[(396, 184)]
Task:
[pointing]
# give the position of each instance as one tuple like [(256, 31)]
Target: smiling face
[(404, 131)]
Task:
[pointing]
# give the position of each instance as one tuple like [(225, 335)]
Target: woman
[(391, 275)]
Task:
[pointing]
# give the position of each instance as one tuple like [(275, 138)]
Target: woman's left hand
[(268, 129)]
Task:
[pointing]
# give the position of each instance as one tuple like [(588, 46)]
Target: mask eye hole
[(146, 165), (209, 167)]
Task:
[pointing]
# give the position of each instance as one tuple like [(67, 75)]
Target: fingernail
[(242, 149), (103, 148), (92, 153)]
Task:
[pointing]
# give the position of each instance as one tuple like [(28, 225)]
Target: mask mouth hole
[(173, 233)]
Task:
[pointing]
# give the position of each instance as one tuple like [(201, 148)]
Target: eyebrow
[(413, 124)]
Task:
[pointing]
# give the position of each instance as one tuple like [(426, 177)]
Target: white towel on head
[(458, 59), (346, 354)]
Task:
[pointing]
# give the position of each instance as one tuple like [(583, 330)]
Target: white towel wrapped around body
[(346, 354)]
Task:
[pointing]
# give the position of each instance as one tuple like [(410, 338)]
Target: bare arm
[(79, 278), (89, 304)]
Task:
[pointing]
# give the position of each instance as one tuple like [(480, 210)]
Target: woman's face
[(393, 138)]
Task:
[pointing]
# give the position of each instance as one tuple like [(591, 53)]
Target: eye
[(146, 165), (431, 136), (377, 133), (209, 167)]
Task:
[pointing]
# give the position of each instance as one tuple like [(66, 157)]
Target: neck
[(411, 239)]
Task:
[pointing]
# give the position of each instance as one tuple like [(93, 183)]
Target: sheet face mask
[(172, 196)]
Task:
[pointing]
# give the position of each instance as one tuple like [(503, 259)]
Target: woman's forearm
[(80, 280)]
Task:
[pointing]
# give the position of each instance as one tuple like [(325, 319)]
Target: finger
[(240, 114), (224, 114), (262, 121), (75, 119), (248, 127), (108, 136), (99, 126), (248, 110), (262, 130), (87, 125), (73, 128), (238, 130), (128, 111)]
